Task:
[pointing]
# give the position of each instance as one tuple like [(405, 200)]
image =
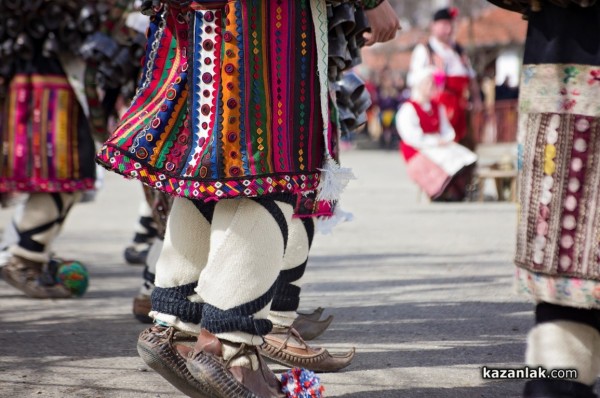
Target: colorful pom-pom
[(71, 274), (301, 383)]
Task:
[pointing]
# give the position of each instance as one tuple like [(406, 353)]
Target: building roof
[(494, 27)]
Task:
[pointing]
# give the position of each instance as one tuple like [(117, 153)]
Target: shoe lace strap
[(292, 332), (238, 353)]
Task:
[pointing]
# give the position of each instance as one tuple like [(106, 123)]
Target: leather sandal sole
[(172, 369), (210, 372)]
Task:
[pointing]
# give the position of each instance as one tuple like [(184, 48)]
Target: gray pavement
[(423, 291)]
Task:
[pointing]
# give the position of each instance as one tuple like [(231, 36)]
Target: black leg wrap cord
[(206, 209), (149, 276), (58, 202), (151, 232), (270, 205), (240, 318), (309, 225), (292, 275), (173, 301), (287, 298), (546, 312), (26, 240)]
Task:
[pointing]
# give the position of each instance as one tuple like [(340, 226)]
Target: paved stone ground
[(423, 291)]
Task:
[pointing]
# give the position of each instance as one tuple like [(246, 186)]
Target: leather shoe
[(28, 276), (142, 306), (243, 375), (165, 350), (310, 329), (285, 346), (314, 315)]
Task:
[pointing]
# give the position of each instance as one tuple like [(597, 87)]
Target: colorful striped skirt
[(46, 141), (237, 115)]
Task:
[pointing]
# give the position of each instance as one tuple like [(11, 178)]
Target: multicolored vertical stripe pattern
[(239, 115), (558, 245), (46, 144)]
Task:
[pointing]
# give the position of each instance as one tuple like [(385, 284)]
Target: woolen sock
[(40, 224), (247, 244), (565, 345), (184, 254)]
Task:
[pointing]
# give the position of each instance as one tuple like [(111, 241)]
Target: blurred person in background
[(389, 97), (48, 149), (454, 74), (434, 161)]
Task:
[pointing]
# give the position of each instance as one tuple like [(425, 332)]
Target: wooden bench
[(500, 177), (497, 162)]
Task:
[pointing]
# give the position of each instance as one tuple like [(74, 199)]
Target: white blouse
[(453, 62), (409, 127)]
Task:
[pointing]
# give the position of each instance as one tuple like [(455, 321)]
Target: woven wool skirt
[(45, 137), (558, 242), (230, 103)]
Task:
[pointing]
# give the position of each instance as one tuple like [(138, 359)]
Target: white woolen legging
[(565, 345), (235, 261), (40, 224)]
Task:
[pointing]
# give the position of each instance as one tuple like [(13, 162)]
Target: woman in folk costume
[(456, 75), (434, 161), (251, 136), (558, 262), (47, 146)]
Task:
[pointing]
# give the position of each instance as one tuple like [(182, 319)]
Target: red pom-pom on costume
[(453, 12), (301, 383)]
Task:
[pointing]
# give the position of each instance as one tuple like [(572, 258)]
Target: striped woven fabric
[(46, 143), (238, 116)]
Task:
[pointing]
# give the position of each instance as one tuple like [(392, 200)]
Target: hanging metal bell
[(50, 48), (24, 47)]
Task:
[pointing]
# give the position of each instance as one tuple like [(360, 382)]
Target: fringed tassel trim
[(333, 181)]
